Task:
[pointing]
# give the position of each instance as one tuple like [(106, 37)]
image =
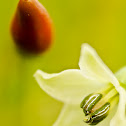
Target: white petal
[(120, 117), (92, 65), (69, 86), (72, 115), (121, 76)]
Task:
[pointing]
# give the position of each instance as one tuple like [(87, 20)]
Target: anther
[(97, 116), (96, 106), (88, 103)]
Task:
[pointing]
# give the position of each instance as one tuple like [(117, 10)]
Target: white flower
[(71, 86)]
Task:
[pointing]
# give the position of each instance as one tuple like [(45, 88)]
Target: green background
[(101, 23)]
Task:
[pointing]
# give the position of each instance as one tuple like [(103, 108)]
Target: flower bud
[(31, 27)]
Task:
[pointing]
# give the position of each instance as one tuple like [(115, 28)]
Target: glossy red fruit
[(31, 27)]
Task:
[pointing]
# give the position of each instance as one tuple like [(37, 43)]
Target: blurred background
[(101, 23)]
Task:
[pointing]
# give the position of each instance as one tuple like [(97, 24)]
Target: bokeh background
[(101, 23)]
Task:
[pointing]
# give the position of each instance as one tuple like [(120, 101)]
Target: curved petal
[(72, 115), (120, 117), (121, 76), (92, 65), (94, 68), (69, 86)]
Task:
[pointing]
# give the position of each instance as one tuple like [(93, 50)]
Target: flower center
[(96, 106)]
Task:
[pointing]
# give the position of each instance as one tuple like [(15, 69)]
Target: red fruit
[(31, 27)]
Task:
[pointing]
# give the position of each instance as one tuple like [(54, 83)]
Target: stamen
[(98, 115), (96, 106), (88, 103)]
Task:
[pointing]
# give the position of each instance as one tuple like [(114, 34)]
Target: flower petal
[(92, 65), (72, 115), (69, 86), (120, 117), (121, 76)]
